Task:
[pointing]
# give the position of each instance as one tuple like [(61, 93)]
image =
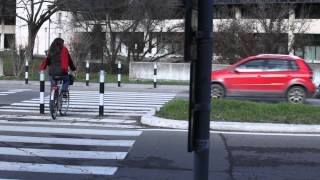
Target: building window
[(9, 41), (308, 11), (312, 53), (223, 12)]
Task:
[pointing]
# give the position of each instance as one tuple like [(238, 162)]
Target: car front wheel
[(296, 95), (217, 91)]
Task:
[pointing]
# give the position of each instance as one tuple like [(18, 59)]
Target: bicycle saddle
[(58, 77)]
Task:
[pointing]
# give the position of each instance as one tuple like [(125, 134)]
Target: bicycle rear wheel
[(54, 104), (64, 104)]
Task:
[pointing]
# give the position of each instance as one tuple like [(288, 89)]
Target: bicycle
[(57, 101)]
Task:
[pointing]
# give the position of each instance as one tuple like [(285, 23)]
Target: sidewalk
[(235, 126)]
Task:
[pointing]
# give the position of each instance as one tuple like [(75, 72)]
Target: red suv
[(265, 75)]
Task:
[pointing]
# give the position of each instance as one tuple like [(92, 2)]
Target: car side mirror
[(235, 70)]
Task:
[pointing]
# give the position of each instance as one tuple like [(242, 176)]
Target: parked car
[(266, 75)]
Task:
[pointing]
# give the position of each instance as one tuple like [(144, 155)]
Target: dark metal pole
[(119, 74), (155, 71), (202, 92), (87, 73), (101, 102), (26, 76), (42, 86)]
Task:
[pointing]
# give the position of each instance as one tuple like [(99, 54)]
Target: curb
[(151, 120)]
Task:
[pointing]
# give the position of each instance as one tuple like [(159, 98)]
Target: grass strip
[(247, 111)]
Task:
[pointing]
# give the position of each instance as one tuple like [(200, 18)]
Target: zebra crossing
[(78, 146), (86, 103), (5, 93)]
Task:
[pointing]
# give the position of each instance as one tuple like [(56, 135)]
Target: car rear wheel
[(296, 95), (217, 91)]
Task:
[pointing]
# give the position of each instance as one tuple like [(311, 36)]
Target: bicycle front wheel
[(64, 104), (54, 104)]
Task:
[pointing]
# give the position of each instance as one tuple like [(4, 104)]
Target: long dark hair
[(56, 47)]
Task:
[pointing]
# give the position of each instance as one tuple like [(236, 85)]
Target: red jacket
[(65, 58)]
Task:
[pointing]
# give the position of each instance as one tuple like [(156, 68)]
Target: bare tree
[(134, 25), (34, 14), (263, 29)]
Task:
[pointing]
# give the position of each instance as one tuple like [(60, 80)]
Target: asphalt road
[(160, 154)]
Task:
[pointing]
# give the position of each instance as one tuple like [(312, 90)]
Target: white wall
[(166, 71)]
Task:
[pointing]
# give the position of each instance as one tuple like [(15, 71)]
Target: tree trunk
[(31, 41)]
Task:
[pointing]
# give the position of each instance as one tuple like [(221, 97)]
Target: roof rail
[(293, 56)]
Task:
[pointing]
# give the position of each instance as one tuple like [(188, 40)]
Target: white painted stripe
[(102, 76), (101, 101), (76, 113), (20, 90), (57, 123), (122, 98), (110, 103), (52, 95), (121, 93), (105, 132), (71, 119), (67, 141), (80, 109), (3, 94), (62, 153), (87, 77), (148, 101), (119, 77), (56, 168), (41, 97), (26, 75), (124, 95), (42, 76), (8, 92), (74, 106)]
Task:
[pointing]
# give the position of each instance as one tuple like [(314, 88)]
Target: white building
[(60, 26)]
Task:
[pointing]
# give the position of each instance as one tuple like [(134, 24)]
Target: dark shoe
[(65, 94)]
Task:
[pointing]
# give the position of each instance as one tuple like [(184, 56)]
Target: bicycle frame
[(58, 103)]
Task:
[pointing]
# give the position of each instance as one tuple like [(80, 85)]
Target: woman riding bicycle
[(59, 60)]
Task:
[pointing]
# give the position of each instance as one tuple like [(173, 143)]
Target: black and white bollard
[(155, 75), (87, 73), (26, 76), (42, 92), (119, 74), (101, 103)]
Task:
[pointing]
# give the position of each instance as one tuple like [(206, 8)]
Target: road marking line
[(66, 141), (77, 113), (116, 103), (70, 131), (56, 168), (82, 107), (62, 153), (57, 123), (74, 108), (71, 119)]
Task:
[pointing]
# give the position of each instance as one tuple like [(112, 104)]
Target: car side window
[(256, 65), (274, 65)]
